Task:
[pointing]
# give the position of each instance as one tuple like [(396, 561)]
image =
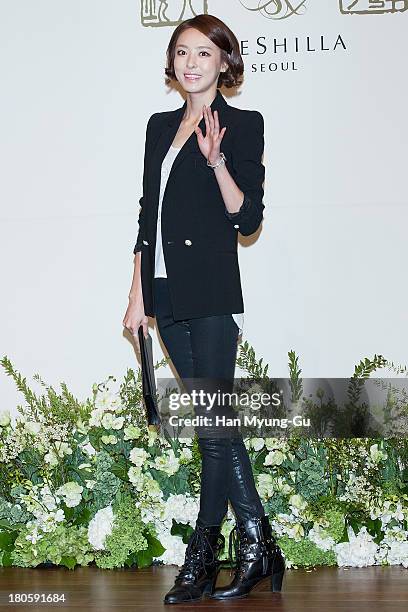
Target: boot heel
[(276, 581), (209, 587)]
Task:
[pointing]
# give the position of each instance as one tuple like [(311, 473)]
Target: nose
[(191, 63)]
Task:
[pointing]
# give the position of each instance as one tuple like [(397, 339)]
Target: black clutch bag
[(148, 379)]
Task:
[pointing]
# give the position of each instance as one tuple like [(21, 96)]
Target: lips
[(192, 77)]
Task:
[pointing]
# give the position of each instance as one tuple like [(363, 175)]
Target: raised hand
[(210, 144)]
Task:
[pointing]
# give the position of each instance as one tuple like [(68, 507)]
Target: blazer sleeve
[(249, 173), (141, 232)]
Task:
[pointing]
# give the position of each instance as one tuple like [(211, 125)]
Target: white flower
[(175, 548), (109, 439), (398, 553), (132, 432), (53, 456), (71, 491), (186, 454), (360, 551), (90, 484), (89, 449), (32, 427), (34, 536), (265, 485), (96, 416), (5, 418), (47, 498), (107, 400), (100, 527), (110, 421), (257, 443), (136, 477), (275, 457), (319, 536), (167, 463), (138, 456), (298, 502), (152, 435), (183, 508), (377, 455)]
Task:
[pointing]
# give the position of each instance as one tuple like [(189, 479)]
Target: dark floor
[(372, 589)]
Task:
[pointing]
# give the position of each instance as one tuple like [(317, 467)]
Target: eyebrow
[(200, 47)]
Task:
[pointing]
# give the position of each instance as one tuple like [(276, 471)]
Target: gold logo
[(276, 9), (363, 7), (156, 13)]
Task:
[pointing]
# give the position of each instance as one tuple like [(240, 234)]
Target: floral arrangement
[(90, 482)]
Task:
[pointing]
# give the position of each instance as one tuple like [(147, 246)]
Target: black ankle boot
[(258, 557), (198, 575)]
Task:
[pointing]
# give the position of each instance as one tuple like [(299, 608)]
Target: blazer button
[(236, 226), (145, 242), (188, 242)]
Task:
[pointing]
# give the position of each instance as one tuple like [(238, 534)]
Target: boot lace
[(197, 550)]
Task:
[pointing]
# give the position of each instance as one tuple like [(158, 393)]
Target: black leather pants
[(205, 349)]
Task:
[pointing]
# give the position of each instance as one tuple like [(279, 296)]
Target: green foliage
[(311, 479), (181, 529), (317, 470), (64, 545), (195, 468), (107, 484), (50, 407), (247, 361), (127, 538), (305, 553), (294, 376)]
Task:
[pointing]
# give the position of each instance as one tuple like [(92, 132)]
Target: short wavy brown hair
[(220, 35)]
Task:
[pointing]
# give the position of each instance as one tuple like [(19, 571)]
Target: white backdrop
[(326, 276)]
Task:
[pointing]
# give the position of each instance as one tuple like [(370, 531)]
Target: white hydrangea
[(377, 455), (183, 508), (100, 527), (397, 552), (174, 545), (360, 551)]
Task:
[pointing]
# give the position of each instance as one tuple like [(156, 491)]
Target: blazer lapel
[(169, 130)]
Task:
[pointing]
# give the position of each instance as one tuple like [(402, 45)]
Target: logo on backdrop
[(157, 13), (363, 7), (276, 9)]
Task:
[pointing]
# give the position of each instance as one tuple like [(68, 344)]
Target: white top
[(160, 266)]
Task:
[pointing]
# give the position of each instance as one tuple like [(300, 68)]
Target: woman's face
[(195, 54)]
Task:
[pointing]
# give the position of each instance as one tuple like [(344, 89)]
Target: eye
[(182, 51)]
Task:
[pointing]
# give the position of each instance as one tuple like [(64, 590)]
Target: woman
[(196, 197)]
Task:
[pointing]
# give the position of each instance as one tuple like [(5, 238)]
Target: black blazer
[(199, 235)]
